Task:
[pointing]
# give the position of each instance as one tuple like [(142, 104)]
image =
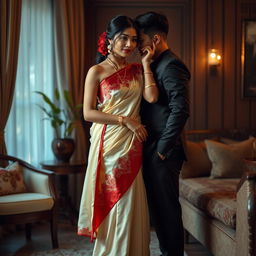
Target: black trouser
[(161, 179)]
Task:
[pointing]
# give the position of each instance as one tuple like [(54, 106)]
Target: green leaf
[(58, 116), (47, 100), (44, 109), (57, 94), (68, 99), (69, 129)]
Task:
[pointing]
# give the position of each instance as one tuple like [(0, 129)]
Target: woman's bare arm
[(91, 113), (150, 91)]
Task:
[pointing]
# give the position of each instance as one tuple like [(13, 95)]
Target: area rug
[(81, 246), (13, 243)]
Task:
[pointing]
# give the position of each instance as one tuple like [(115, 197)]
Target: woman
[(113, 206)]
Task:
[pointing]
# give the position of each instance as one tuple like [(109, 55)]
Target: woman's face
[(125, 43)]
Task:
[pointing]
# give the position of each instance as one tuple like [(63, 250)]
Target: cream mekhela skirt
[(126, 230)]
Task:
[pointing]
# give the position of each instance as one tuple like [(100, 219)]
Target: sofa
[(218, 191)]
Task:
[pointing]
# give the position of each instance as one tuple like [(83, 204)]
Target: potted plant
[(63, 121)]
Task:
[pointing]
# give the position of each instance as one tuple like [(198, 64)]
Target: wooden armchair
[(36, 204)]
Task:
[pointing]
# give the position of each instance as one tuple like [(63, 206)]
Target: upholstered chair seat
[(35, 199), (24, 203)]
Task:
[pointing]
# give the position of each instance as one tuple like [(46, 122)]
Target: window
[(28, 136)]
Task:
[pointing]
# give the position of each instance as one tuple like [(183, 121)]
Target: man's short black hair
[(152, 22)]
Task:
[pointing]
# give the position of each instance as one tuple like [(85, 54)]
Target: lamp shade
[(214, 57)]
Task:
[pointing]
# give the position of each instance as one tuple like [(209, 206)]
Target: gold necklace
[(114, 65)]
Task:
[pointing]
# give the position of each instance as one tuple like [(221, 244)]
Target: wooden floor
[(13, 243)]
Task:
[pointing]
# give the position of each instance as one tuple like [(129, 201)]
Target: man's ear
[(156, 39)]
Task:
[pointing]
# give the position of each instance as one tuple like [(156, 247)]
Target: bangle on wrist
[(148, 73), (121, 120), (150, 85)]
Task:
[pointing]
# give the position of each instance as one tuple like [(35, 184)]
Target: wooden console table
[(63, 170)]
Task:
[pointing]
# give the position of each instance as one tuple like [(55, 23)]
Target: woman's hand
[(136, 127), (147, 54), (161, 156)]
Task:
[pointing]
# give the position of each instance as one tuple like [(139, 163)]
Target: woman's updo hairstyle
[(116, 26)]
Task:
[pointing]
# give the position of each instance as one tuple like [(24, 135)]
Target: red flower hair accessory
[(102, 47)]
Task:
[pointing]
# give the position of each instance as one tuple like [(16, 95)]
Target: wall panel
[(243, 105), (229, 65), (214, 74), (199, 79)]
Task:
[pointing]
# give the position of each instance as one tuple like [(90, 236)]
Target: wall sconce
[(214, 58)]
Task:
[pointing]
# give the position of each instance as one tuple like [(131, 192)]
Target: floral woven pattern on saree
[(115, 149)]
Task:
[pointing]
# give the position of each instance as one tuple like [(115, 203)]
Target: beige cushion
[(227, 160), (25, 202), (11, 179), (198, 164)]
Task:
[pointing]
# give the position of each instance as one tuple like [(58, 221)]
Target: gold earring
[(109, 48)]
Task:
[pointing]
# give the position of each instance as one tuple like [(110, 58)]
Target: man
[(163, 152)]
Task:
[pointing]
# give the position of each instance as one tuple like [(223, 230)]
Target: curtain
[(70, 59), (28, 135), (9, 41)]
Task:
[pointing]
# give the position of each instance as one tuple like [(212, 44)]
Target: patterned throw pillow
[(228, 160), (11, 180)]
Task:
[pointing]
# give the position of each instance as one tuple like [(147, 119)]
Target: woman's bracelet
[(148, 73), (150, 85), (121, 120)]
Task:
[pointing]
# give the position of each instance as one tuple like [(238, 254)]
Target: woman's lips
[(126, 50)]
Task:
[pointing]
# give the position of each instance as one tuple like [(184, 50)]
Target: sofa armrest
[(245, 216), (249, 175)]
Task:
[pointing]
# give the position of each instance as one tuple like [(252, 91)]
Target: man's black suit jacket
[(165, 119)]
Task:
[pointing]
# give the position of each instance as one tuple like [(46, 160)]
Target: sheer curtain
[(28, 136)]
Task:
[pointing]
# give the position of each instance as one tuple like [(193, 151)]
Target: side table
[(63, 170)]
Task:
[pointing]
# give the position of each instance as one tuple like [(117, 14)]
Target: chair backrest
[(36, 182)]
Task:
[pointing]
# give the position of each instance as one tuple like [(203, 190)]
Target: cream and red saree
[(113, 205)]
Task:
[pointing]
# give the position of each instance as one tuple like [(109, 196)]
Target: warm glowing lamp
[(214, 58)]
